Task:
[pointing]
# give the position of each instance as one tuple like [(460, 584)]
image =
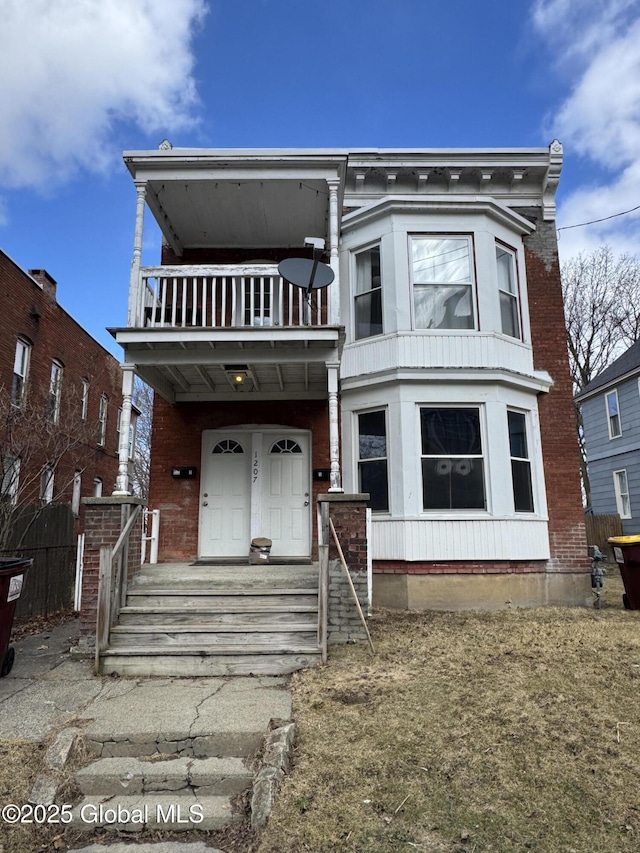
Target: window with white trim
[(442, 282), (452, 459), (77, 490), (20, 371), (372, 459), (10, 479), (508, 292), (520, 462), (46, 484), (367, 301), (613, 414), (102, 420), (97, 487), (623, 499), (84, 400), (55, 392)]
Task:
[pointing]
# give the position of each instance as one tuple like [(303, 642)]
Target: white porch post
[(334, 288), (134, 279), (334, 433), (122, 482)]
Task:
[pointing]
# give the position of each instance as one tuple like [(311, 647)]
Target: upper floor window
[(520, 462), (55, 391), (10, 479), (20, 371), (76, 494), (46, 484), (623, 500), (102, 420), (84, 400), (372, 459), (508, 290), (368, 294), (442, 279), (452, 459), (613, 414)]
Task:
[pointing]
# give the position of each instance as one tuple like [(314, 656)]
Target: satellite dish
[(303, 272)]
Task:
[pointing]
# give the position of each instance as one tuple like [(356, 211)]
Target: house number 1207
[(256, 466)]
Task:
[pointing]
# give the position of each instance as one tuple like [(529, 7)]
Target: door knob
[(205, 503), (306, 503)]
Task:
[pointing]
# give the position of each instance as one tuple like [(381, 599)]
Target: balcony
[(222, 297)]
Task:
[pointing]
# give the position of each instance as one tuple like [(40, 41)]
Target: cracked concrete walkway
[(47, 690)]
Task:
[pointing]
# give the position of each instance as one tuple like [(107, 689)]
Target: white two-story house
[(431, 373)]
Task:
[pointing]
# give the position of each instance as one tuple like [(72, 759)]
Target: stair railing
[(112, 583)]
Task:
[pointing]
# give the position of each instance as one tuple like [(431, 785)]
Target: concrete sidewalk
[(49, 689), (192, 719)]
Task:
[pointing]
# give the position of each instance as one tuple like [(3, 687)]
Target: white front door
[(224, 520), (255, 483)]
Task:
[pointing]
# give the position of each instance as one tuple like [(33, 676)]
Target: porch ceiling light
[(239, 375)]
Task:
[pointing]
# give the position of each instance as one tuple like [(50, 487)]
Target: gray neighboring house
[(610, 406)]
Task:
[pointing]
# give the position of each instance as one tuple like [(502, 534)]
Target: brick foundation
[(348, 513)]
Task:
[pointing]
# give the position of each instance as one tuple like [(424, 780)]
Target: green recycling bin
[(626, 552), (13, 571)]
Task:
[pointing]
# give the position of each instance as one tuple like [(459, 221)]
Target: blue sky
[(83, 80)]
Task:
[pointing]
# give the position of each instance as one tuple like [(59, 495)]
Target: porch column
[(334, 289), (134, 279), (122, 482), (334, 433)]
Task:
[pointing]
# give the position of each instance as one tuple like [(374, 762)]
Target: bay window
[(452, 459), (372, 459), (442, 281), (508, 292), (368, 294), (520, 462)]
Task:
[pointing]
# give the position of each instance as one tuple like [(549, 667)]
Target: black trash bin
[(626, 551), (12, 574)]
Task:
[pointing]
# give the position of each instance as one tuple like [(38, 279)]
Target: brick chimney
[(49, 284)]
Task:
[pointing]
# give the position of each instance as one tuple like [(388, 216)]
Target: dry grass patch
[(507, 731)]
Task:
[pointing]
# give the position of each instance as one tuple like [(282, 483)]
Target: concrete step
[(212, 635), (303, 616), (168, 811), (213, 660), (219, 777)]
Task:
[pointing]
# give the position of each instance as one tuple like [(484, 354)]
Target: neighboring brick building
[(432, 373), (60, 394)]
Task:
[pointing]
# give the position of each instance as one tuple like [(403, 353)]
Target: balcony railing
[(223, 297)]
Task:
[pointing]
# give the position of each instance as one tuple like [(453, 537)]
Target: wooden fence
[(46, 535), (600, 528)]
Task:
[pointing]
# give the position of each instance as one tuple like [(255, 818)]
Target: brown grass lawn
[(505, 731)]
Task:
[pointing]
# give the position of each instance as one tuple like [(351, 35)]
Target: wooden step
[(209, 635), (294, 614), (189, 599)]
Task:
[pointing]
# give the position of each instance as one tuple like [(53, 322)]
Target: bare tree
[(40, 443), (602, 313), (143, 401)]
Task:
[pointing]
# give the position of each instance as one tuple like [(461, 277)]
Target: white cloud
[(73, 70), (597, 43)]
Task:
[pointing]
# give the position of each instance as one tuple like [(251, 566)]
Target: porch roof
[(191, 365), (207, 198)]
